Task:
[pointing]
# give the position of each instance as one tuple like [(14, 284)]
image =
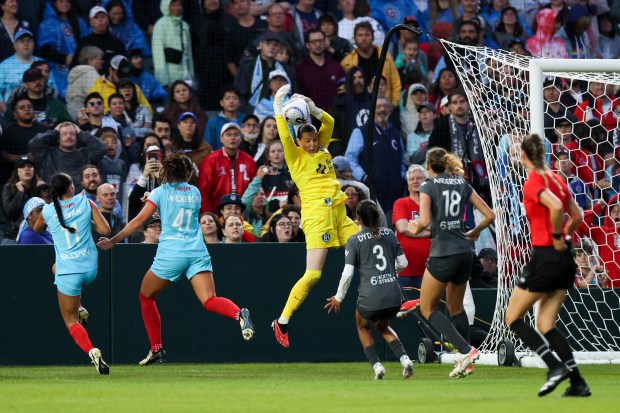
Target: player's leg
[(204, 288), (151, 286), (69, 306), (368, 344), (455, 293), (548, 310), (430, 294), (521, 301), (390, 337), (315, 260)]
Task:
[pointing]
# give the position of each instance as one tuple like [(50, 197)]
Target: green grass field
[(324, 387)]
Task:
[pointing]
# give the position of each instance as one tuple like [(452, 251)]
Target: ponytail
[(442, 161), (368, 213), (58, 187)]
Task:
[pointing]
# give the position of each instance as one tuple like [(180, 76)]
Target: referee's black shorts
[(548, 271), (454, 268)]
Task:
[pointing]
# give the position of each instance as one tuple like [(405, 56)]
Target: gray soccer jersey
[(375, 259), (448, 194)]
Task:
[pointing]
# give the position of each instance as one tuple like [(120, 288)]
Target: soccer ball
[(296, 112)]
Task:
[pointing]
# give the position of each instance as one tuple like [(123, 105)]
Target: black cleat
[(554, 377), (100, 365), (578, 390), (157, 357)]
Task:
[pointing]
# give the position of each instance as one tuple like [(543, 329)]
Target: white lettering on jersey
[(72, 213), (73, 255), (367, 235), (182, 198)]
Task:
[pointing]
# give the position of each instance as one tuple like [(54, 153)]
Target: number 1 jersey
[(179, 207), (76, 252)]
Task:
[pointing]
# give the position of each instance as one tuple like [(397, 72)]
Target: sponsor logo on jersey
[(326, 237)]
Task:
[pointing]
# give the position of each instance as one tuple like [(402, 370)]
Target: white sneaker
[(379, 371), (100, 365), (460, 369), (407, 367)]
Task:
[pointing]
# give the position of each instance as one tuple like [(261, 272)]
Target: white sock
[(283, 320)]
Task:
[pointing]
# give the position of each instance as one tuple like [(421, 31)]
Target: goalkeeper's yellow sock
[(300, 291)]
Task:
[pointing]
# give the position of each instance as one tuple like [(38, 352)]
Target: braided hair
[(59, 185), (368, 213), (176, 168)]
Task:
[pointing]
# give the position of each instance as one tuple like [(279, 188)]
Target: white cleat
[(379, 371), (460, 369), (100, 365)]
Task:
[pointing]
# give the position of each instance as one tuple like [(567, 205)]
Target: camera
[(154, 155)]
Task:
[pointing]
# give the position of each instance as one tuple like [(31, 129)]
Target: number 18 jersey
[(448, 194), (179, 206)]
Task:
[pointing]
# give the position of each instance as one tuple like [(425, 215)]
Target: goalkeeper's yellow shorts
[(329, 229)]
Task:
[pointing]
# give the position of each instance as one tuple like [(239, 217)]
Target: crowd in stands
[(104, 90)]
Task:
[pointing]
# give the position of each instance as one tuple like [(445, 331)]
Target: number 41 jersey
[(179, 207), (448, 194), (375, 260)]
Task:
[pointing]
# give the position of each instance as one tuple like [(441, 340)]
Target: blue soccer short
[(172, 269), (71, 284)]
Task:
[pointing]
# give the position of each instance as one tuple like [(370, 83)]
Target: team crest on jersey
[(221, 171), (328, 201), (326, 237)]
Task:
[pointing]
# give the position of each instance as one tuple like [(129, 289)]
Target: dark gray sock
[(558, 342), (534, 341), (461, 323), (441, 323), (397, 348), (371, 355)]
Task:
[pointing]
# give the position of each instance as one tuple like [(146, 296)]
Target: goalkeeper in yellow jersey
[(324, 217)]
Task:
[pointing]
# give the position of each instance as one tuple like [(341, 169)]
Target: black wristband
[(557, 235)]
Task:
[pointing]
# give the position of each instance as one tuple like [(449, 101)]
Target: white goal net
[(582, 143)]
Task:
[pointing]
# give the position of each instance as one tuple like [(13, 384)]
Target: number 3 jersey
[(375, 260), (76, 252), (448, 194), (179, 206)]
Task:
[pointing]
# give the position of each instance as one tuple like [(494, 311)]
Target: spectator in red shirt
[(415, 247), (598, 105), (225, 171), (606, 236)]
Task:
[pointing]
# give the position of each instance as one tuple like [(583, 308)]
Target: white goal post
[(506, 95)]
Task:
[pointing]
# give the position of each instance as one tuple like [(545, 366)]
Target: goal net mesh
[(581, 141)]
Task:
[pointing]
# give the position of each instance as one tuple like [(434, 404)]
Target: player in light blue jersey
[(181, 251), (69, 219)]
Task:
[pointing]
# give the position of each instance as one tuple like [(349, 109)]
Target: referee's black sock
[(558, 342), (397, 348), (441, 323), (461, 323), (371, 355), (534, 341)]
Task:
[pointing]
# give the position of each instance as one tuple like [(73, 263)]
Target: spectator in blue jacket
[(57, 38), (27, 235), (388, 161), (152, 89), (230, 102), (124, 28)]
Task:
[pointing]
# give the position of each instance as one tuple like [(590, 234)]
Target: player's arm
[(416, 227), (487, 213), (288, 144), (138, 222), (333, 303), (327, 122), (556, 213), (401, 263), (101, 225), (402, 227), (575, 217)]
